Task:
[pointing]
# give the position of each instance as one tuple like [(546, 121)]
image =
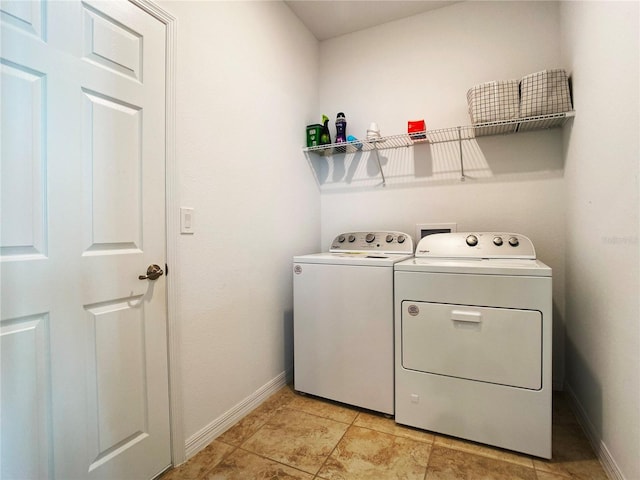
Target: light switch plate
[(186, 220)]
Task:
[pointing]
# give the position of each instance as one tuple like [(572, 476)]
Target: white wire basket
[(544, 93), (494, 101)]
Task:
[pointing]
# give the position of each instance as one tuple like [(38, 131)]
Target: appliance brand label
[(413, 310), (297, 269)]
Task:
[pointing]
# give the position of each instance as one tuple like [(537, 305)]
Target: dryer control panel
[(379, 242), (476, 245)]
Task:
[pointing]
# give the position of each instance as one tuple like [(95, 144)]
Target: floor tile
[(483, 450), (201, 463), (297, 438), (258, 417), (448, 464), (292, 437), (281, 398), (243, 465), (323, 408), (550, 476), (383, 424), (365, 454), (572, 455)]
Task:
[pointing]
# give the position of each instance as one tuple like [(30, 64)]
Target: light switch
[(186, 220)]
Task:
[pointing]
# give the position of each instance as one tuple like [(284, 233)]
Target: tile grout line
[(237, 447), (336, 446), (275, 461), (395, 435), (426, 469), (224, 457), (319, 416), (269, 417), (326, 402), (352, 424), (480, 455)]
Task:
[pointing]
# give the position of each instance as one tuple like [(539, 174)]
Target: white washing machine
[(473, 338), (343, 319)]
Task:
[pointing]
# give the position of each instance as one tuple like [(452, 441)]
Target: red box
[(416, 129)]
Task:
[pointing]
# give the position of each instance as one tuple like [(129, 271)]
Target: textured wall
[(601, 178), (246, 87)]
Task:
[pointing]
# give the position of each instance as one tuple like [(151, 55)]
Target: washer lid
[(479, 266), (371, 259)]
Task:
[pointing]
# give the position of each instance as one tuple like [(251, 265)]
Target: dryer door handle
[(466, 316)]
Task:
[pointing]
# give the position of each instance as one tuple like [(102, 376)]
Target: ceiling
[(332, 18)]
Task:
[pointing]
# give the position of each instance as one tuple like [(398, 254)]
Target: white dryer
[(343, 319), (473, 338)]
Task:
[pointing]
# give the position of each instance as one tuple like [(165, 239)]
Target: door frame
[(172, 221)]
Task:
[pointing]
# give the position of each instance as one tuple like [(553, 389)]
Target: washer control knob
[(497, 241), (370, 237), (472, 240), (341, 238), (352, 238), (401, 238), (514, 242), (390, 238)]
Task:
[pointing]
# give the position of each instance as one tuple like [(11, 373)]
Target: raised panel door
[(84, 351)]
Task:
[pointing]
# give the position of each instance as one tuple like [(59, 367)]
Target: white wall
[(422, 67), (246, 88), (601, 43)]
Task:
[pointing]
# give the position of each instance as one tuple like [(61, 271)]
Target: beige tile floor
[(296, 437)]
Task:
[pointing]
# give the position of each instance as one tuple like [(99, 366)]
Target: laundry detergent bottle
[(341, 128), (325, 135)]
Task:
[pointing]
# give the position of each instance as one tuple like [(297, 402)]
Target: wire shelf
[(452, 134), (382, 143)]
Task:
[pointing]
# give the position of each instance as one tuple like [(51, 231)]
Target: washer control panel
[(380, 242), (476, 245)]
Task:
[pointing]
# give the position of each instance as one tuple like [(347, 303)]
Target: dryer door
[(493, 345)]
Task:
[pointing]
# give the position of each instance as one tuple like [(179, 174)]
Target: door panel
[(116, 379), (23, 200), (113, 194), (111, 45), (26, 16), (25, 434), (83, 215)]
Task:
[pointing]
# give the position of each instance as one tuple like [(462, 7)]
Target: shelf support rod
[(375, 149), (462, 177)]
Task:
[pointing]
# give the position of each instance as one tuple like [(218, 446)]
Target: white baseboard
[(601, 450), (205, 436)]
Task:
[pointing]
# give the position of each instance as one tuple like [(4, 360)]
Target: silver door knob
[(153, 273)]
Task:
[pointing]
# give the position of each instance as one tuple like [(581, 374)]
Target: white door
[(84, 385)]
